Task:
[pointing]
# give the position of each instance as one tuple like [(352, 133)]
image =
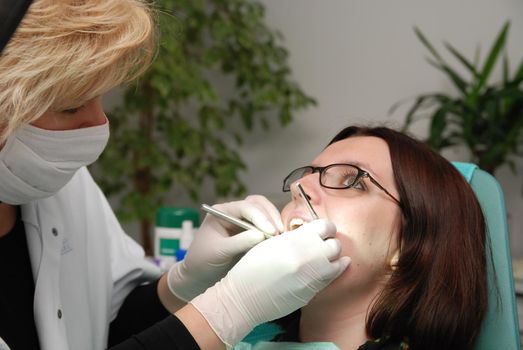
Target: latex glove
[(273, 279), (218, 244)]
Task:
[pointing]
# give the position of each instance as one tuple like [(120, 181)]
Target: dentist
[(70, 278)]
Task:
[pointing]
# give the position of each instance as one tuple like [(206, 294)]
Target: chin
[(338, 288)]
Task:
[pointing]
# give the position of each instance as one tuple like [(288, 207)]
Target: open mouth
[(295, 223)]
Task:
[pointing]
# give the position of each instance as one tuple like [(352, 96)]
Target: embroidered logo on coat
[(66, 247)]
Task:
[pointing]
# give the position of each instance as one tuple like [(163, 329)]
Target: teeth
[(295, 223)]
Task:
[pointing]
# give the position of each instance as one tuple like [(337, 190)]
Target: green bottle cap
[(174, 217)]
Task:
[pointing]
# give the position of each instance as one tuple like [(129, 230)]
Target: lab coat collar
[(29, 215)]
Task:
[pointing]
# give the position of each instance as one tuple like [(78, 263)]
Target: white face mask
[(36, 163)]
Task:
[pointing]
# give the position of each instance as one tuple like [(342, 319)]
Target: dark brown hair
[(436, 296)]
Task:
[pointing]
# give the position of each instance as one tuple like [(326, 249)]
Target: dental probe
[(240, 223), (304, 196)]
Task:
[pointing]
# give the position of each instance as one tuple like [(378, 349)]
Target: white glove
[(217, 245), (272, 280)]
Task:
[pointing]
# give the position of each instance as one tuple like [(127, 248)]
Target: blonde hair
[(66, 52)]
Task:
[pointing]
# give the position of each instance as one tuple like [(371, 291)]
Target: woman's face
[(88, 115), (367, 219)]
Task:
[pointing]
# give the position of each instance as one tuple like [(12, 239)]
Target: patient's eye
[(347, 178), (341, 176), (359, 184)]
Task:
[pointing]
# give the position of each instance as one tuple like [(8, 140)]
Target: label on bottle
[(167, 242)]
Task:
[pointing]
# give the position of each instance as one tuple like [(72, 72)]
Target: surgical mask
[(36, 163)]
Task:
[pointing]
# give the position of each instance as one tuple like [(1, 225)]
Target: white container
[(173, 233)]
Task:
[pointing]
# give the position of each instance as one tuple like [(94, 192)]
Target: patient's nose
[(310, 186)]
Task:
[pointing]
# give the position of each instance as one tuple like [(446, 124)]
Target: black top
[(17, 327), (142, 322), (137, 327), (168, 334)]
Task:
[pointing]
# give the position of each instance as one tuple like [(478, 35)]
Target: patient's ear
[(394, 260)]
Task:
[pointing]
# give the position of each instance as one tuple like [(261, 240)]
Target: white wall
[(360, 57)]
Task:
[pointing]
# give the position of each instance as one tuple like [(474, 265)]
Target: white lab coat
[(83, 263)]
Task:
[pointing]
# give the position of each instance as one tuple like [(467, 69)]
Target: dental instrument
[(304, 196), (238, 222)]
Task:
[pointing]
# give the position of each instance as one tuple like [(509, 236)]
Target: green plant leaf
[(428, 45), (505, 70), (454, 77), (518, 77), (412, 111), (469, 65), (437, 127), (490, 61), (486, 117)]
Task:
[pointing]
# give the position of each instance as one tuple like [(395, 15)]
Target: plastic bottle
[(185, 240), (173, 233)]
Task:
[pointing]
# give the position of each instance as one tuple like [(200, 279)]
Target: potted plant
[(220, 72), (484, 116)]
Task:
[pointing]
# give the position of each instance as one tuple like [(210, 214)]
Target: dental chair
[(500, 329)]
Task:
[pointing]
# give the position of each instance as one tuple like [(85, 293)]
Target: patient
[(416, 236)]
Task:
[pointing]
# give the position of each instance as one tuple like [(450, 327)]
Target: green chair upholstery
[(500, 329)]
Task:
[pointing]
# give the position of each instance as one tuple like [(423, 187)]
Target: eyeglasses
[(334, 176)]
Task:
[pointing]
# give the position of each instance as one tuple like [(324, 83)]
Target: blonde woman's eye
[(72, 110)]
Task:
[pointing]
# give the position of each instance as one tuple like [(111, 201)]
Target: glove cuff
[(220, 310), (178, 284)]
